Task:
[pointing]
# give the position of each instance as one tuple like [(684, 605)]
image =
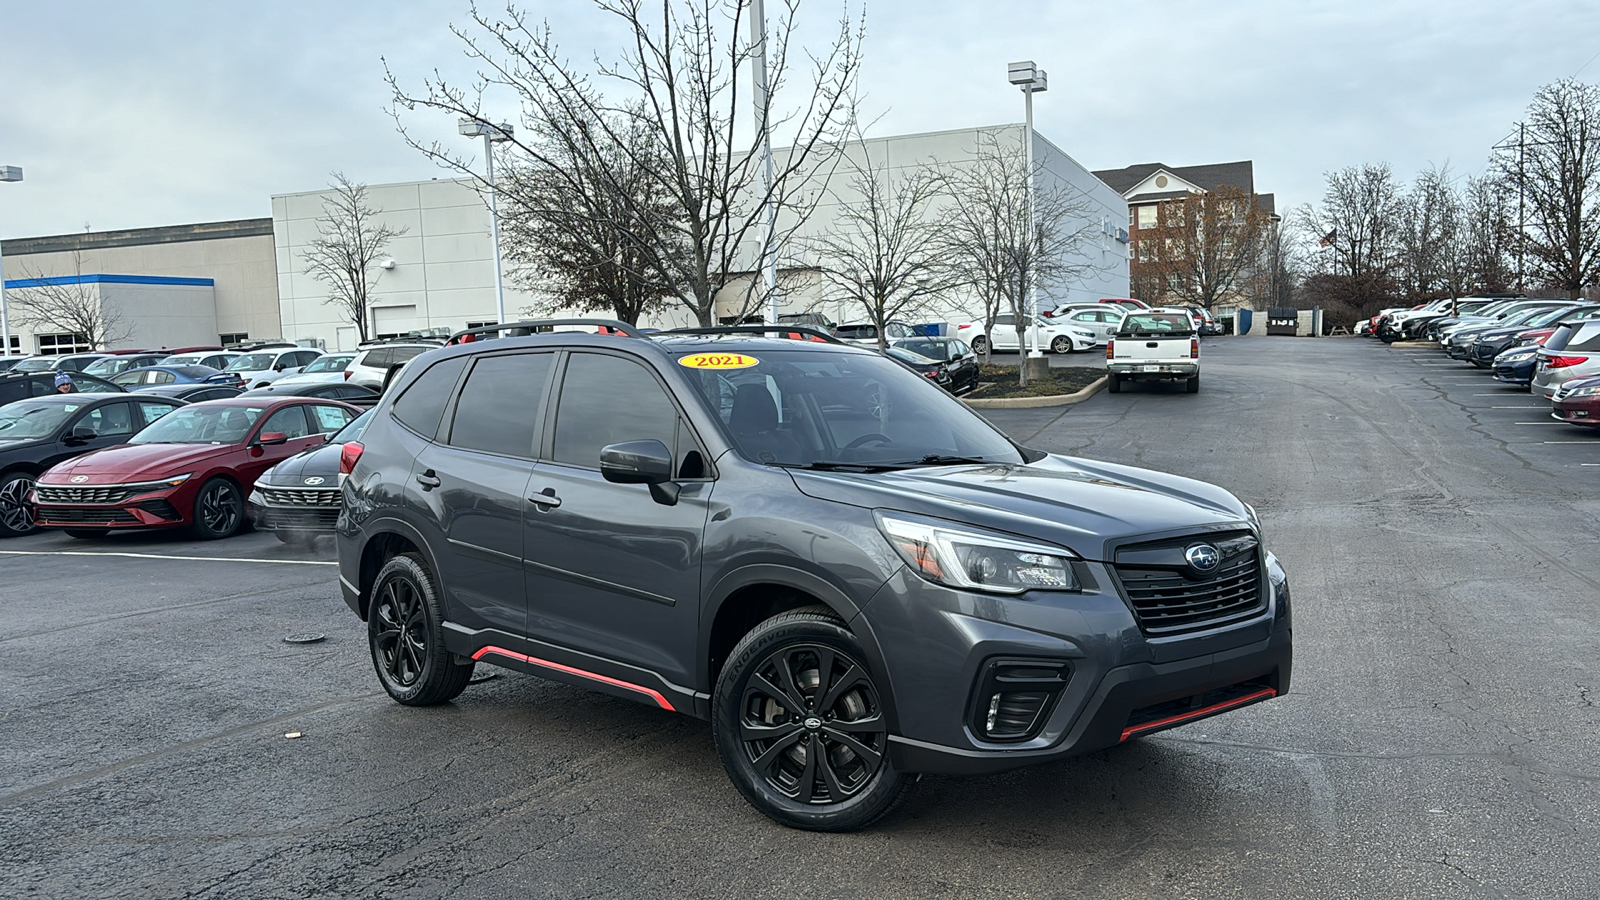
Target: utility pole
[(769, 225)]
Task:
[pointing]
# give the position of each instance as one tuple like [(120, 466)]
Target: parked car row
[(1548, 347)]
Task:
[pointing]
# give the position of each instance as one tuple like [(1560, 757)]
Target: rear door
[(473, 481), (1004, 336), (610, 571)]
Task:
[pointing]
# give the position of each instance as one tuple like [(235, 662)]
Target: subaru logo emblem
[(79, 479), (1203, 557), (315, 479)]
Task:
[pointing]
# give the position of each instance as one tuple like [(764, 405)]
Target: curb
[(1039, 402)]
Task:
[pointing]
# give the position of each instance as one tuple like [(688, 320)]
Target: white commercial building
[(439, 274)]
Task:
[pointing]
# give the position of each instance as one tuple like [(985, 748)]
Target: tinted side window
[(110, 420), (379, 358), (405, 354), (608, 400), (502, 404), (291, 421), (154, 411), (423, 402)]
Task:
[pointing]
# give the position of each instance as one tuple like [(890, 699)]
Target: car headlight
[(1254, 517), (978, 561), (165, 484), (1083, 334), (1584, 391), (1516, 357)]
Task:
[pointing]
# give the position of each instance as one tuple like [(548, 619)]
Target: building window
[(58, 344), (16, 344), (233, 337), (481, 324), (1147, 216)]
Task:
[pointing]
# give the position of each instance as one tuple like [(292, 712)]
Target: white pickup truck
[(1154, 346)]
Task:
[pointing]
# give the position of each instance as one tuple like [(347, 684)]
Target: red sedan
[(1578, 402), (191, 468)]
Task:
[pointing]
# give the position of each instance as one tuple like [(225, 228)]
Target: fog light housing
[(1014, 698)]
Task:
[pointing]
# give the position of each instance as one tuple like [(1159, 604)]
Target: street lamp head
[(479, 128), (1021, 73), (1040, 84), (10, 173)]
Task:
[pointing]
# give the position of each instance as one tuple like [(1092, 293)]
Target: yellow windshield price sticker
[(718, 361)]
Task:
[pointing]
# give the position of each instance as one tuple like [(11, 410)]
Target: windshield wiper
[(935, 459), (835, 465)]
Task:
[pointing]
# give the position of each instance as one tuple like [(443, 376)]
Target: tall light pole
[(7, 173), (769, 226), (1032, 80), (492, 134)]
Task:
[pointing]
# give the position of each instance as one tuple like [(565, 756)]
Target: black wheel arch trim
[(800, 580), (378, 526)]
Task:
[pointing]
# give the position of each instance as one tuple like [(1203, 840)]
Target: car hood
[(1084, 505), (318, 461), (136, 462)]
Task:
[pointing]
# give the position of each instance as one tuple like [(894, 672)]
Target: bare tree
[(352, 239), (1558, 170), (68, 305), (1486, 235), (1429, 220), (1357, 233), (567, 213), (987, 244), (1204, 248), (882, 253), (678, 78)]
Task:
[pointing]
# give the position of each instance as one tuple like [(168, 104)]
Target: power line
[(1586, 65)]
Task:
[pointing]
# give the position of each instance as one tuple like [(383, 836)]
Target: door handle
[(545, 499), (428, 480)]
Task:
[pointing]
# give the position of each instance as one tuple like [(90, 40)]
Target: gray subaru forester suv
[(850, 574)]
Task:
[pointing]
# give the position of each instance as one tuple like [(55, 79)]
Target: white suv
[(372, 364), (259, 368)]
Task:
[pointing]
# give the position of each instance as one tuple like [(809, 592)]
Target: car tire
[(1114, 384), (1192, 385), (218, 510), (405, 632), (980, 345), (1062, 344), (16, 515), (771, 727), (87, 534)]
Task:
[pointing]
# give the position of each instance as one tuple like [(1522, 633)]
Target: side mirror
[(279, 367), (272, 438), (641, 462), (81, 434)]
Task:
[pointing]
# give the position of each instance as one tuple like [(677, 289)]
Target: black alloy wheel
[(800, 726), (16, 513), (218, 510), (1062, 344), (405, 632)]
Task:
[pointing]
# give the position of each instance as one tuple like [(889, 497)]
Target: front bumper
[(1577, 411), (939, 646), (308, 514), (1154, 370), (147, 512)]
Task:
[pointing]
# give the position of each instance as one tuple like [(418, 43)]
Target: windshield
[(35, 364), (188, 359), (201, 424), (1161, 324), (111, 365), (27, 420), (843, 410), (251, 362), (328, 364)]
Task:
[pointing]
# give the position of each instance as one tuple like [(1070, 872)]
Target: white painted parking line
[(1570, 442), (1538, 423), (278, 562), (1516, 407)]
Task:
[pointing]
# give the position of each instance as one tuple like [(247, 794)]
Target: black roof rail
[(794, 332), (540, 326)]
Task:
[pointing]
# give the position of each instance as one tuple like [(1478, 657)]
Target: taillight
[(349, 455), (347, 374), (1561, 362), (1110, 342), (964, 327), (1194, 348)]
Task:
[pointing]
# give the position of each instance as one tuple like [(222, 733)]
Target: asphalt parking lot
[(1438, 740)]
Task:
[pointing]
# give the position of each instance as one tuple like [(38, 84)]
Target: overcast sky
[(126, 115)]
